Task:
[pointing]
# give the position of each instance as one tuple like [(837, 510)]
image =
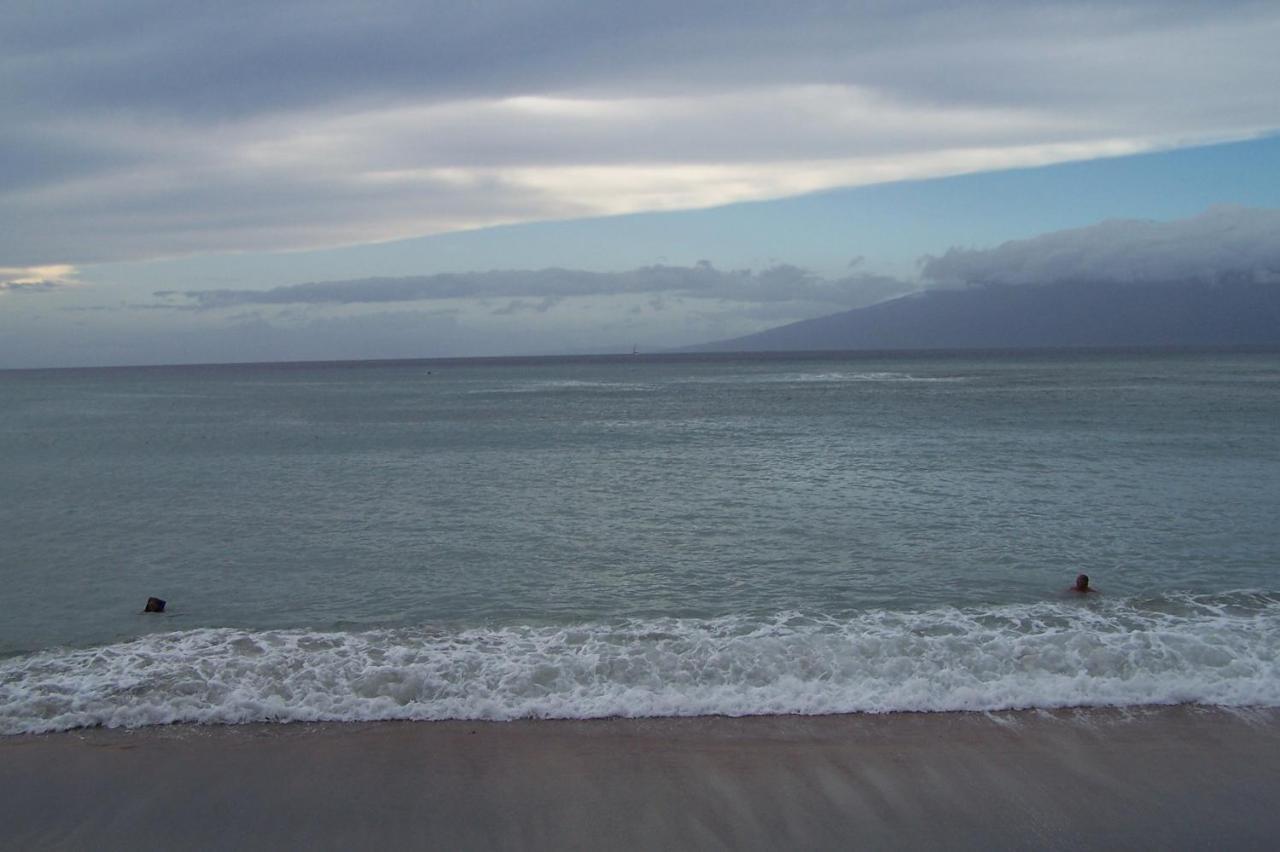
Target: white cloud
[(14, 279), (1223, 243), (316, 179)]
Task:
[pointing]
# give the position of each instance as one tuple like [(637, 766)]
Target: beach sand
[(1179, 777)]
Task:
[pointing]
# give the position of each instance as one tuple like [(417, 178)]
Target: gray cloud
[(139, 128), (1223, 243), (781, 283), (32, 158), (244, 56), (29, 286), (519, 306)]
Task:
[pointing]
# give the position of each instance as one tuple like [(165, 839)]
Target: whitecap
[(1221, 650)]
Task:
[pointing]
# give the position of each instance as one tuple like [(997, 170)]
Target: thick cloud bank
[(1221, 244), (781, 283), (135, 129)]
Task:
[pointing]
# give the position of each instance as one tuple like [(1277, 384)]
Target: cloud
[(1223, 243), (519, 306), (565, 310), (36, 279), (27, 286), (340, 177), (246, 58), (137, 129), (781, 283)]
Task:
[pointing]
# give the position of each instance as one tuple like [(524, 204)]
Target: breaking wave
[(1210, 649), (829, 376)]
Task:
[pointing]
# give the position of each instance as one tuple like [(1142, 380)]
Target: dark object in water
[(154, 605)]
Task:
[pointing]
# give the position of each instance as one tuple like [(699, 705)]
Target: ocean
[(638, 536)]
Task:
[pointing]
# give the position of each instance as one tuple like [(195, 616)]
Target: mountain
[(1224, 313)]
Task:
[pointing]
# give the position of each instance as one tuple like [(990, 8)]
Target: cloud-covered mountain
[(1210, 280), (1067, 314), (1226, 242)]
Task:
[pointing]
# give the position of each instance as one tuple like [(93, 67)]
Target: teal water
[(396, 504)]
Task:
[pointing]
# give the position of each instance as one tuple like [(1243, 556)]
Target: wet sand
[(1181, 778)]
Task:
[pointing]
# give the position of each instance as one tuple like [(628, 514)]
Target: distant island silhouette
[(1065, 314)]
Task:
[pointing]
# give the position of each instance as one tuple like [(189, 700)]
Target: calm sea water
[(638, 536)]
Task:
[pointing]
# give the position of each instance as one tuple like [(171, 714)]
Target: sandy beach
[(1179, 777)]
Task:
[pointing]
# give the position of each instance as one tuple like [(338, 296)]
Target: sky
[(191, 182)]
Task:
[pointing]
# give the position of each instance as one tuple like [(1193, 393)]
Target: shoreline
[(1172, 777)]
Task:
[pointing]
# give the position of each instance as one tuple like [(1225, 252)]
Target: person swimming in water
[(1082, 584)]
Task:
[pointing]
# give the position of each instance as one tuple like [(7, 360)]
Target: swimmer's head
[(1082, 583)]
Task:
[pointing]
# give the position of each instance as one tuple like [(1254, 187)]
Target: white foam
[(829, 377), (553, 385), (879, 376), (1221, 650)]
